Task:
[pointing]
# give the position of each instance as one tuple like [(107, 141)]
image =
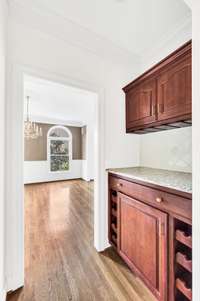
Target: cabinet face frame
[(161, 240)]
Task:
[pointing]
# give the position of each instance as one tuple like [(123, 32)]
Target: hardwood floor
[(60, 261)]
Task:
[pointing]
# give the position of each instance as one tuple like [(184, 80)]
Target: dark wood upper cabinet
[(143, 243), (140, 105), (174, 90), (161, 98)]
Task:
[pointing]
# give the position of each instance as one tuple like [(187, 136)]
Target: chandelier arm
[(31, 129)]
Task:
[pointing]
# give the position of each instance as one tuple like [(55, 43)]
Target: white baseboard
[(102, 247), (3, 295)]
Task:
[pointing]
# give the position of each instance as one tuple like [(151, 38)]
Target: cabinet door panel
[(143, 243), (140, 104), (175, 90)]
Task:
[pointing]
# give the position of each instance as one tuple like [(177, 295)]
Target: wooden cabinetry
[(174, 90), (180, 259), (151, 230), (140, 105), (143, 242), (161, 98)]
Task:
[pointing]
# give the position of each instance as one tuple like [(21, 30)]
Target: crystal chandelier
[(31, 130)]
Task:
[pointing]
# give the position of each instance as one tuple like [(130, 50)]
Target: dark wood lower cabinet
[(180, 259), (143, 242), (154, 239)]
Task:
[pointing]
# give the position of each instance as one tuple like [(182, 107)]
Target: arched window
[(59, 148)]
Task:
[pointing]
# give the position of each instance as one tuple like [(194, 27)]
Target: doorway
[(15, 174)]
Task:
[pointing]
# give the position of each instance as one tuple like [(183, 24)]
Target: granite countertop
[(180, 181)]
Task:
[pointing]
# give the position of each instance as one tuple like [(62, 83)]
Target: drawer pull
[(119, 184), (159, 200)]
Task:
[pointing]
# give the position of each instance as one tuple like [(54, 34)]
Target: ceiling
[(53, 102), (134, 25)]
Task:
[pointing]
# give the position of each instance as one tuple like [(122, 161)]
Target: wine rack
[(182, 260), (113, 216)]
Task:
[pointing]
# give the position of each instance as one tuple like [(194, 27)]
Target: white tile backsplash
[(170, 150)]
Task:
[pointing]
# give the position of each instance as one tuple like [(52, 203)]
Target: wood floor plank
[(61, 263)]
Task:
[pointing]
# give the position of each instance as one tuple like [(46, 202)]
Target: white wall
[(59, 58), (2, 137), (167, 45), (168, 149), (38, 171)]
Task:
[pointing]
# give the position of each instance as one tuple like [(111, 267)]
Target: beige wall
[(36, 149)]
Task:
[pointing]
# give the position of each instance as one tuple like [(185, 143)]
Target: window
[(59, 142)]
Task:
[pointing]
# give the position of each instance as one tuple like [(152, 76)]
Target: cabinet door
[(143, 243), (175, 90), (140, 104)]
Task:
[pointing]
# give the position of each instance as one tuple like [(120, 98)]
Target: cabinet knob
[(159, 200), (119, 184)]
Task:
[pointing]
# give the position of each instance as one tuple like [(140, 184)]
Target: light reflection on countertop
[(180, 181)]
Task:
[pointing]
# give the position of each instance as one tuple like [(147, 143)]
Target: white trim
[(14, 250), (3, 295), (60, 127), (14, 174)]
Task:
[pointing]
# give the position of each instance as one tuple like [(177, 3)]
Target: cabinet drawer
[(162, 200)]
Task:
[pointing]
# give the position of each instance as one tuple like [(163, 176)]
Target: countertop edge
[(174, 191)]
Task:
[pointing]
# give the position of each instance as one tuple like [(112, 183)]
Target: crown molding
[(62, 28), (167, 44)]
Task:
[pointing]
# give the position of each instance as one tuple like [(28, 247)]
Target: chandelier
[(31, 130)]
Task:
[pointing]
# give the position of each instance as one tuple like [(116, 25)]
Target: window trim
[(49, 139)]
